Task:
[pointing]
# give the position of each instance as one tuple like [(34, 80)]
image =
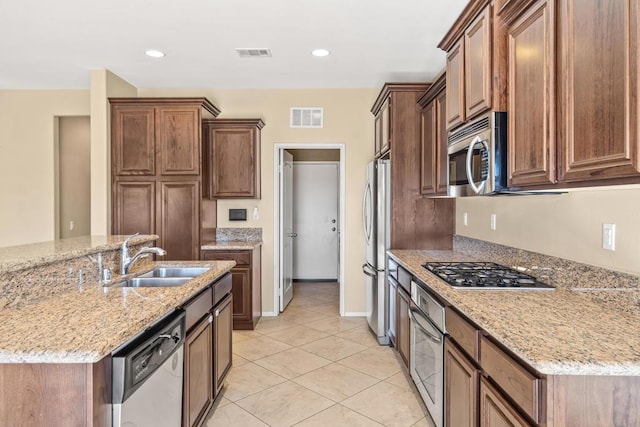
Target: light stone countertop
[(20, 257), (231, 245), (85, 324), (581, 328)]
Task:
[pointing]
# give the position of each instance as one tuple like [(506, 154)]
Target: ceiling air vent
[(306, 117), (253, 52)]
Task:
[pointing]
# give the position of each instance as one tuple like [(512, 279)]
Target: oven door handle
[(412, 313), (476, 188)]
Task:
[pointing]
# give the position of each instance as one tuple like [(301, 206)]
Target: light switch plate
[(609, 237), (493, 221)]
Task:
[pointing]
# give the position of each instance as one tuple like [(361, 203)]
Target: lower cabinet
[(403, 300), (198, 378), (222, 350), (393, 293), (495, 411), (460, 388)]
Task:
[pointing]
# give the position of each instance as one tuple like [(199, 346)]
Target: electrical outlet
[(72, 225), (493, 222), (256, 215), (609, 237), (465, 219)]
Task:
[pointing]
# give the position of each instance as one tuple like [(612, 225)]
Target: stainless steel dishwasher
[(147, 376)]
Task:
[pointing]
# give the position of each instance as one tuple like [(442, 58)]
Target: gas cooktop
[(484, 275)]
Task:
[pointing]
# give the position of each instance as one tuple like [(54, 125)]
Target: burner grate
[(483, 275)]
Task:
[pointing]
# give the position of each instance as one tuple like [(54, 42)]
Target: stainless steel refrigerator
[(376, 214)]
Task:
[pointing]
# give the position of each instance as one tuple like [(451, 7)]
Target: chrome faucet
[(127, 261)]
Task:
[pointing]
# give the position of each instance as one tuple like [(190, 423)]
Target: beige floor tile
[(362, 321), (238, 360), (223, 402), (379, 362), (327, 308), (332, 325), (240, 335), (334, 348), (361, 335), (248, 379), (292, 363), (338, 416), (233, 416), (284, 404), (425, 422), (257, 348), (298, 335), (401, 379), (336, 382), (387, 404), (267, 325), (301, 315)]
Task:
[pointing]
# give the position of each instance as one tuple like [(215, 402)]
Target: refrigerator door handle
[(367, 220), (368, 270)]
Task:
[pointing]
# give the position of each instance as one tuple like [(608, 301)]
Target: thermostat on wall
[(237, 214)]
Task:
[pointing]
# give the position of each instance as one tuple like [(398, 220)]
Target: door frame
[(276, 212)]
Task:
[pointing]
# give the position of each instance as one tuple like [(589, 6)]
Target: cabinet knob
[(210, 319), (217, 312)]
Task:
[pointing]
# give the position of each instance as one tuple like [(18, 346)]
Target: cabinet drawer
[(198, 307), (240, 257), (464, 334), (517, 382), (221, 288), (404, 279)]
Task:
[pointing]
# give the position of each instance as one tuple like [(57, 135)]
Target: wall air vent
[(307, 117), (253, 52)]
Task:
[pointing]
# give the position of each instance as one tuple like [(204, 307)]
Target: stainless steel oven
[(427, 350), (478, 156)]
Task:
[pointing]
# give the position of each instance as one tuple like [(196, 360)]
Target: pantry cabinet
[(433, 140), (232, 158), (156, 152)]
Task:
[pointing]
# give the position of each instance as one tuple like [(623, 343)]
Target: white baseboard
[(355, 314), (269, 314)]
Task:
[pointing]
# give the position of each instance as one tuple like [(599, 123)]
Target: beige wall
[(567, 225), (347, 120), (27, 183)]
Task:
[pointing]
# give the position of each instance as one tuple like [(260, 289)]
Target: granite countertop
[(85, 324), (229, 245), (587, 326), (32, 255)]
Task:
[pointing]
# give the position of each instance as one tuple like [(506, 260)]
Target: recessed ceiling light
[(320, 52), (154, 53)]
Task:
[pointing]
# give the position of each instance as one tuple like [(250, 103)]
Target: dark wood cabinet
[(198, 377), (393, 310), (477, 65), (433, 140), (232, 158), (222, 341), (156, 152), (403, 322), (598, 89), (247, 289), (495, 410), (460, 388), (455, 86), (383, 120), (531, 99)]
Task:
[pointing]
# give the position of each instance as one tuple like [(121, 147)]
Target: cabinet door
[(442, 161), (222, 347), (599, 89), (393, 309), (460, 388), (532, 97), (178, 133), (233, 159), (134, 207), (180, 219), (455, 85), (378, 135), (132, 140), (477, 65), (385, 126), (429, 140), (495, 411), (198, 377), (241, 290), (404, 325)]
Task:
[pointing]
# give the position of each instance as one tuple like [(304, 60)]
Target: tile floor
[(311, 367)]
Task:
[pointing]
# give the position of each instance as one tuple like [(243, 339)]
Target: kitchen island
[(60, 325), (578, 342)]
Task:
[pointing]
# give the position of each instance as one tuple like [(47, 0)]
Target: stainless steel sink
[(175, 272), (143, 282)]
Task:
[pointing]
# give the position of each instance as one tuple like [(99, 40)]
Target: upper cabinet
[(232, 159), (433, 137), (476, 64), (573, 92)]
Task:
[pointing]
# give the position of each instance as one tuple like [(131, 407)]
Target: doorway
[(320, 169)]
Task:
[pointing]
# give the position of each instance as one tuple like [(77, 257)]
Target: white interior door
[(286, 228), (315, 220)]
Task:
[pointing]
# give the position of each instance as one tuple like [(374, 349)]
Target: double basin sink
[(163, 276)]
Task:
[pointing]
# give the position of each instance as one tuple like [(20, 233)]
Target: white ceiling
[(54, 44)]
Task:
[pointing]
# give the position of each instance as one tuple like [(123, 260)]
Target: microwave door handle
[(412, 312), (476, 188)]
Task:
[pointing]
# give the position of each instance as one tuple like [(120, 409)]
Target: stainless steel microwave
[(477, 154)]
